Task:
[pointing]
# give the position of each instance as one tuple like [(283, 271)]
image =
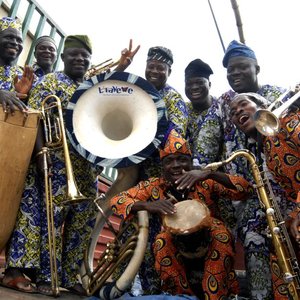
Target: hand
[(23, 85), (10, 100), (188, 178), (294, 228), (127, 56)]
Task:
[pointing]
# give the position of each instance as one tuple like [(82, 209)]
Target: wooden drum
[(17, 139)]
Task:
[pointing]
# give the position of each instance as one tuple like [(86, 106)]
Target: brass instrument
[(126, 122), (266, 120), (101, 68), (55, 137), (283, 247), (50, 224), (117, 252)]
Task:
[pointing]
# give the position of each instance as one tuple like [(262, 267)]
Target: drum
[(191, 216), (17, 139)]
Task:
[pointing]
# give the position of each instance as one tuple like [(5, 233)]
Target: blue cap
[(236, 48)]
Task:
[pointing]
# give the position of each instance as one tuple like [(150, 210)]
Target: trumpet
[(267, 121), (100, 68)]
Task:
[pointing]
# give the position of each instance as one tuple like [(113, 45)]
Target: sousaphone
[(115, 120)]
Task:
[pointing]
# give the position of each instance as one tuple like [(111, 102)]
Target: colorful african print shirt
[(29, 246), (7, 75), (156, 188), (283, 156), (38, 71), (207, 123), (176, 109)]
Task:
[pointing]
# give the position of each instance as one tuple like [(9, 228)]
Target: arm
[(188, 179), (139, 198)]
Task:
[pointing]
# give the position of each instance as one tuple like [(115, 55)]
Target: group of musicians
[(201, 131)]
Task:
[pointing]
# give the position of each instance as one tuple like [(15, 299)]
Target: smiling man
[(202, 109), (45, 53), (246, 217), (12, 77), (29, 248), (177, 183)]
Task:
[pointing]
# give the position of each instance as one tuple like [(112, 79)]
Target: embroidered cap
[(161, 54), (7, 22)]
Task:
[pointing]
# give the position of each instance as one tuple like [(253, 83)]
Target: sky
[(187, 28)]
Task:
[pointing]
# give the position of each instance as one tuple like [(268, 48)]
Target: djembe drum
[(17, 138), (186, 226)]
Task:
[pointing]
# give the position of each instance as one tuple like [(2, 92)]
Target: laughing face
[(45, 54), (157, 73), (11, 45), (242, 74), (242, 110), (173, 166)]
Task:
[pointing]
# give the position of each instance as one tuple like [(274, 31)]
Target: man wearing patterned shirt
[(29, 250), (281, 155), (246, 218), (202, 109), (180, 182), (12, 78)]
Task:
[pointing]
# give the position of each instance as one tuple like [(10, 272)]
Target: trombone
[(267, 121), (55, 137)]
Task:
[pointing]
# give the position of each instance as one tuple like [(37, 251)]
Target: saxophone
[(284, 250)]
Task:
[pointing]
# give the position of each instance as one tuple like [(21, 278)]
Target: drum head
[(189, 217), (116, 119)]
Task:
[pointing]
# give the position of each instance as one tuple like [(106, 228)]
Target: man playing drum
[(158, 195)]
